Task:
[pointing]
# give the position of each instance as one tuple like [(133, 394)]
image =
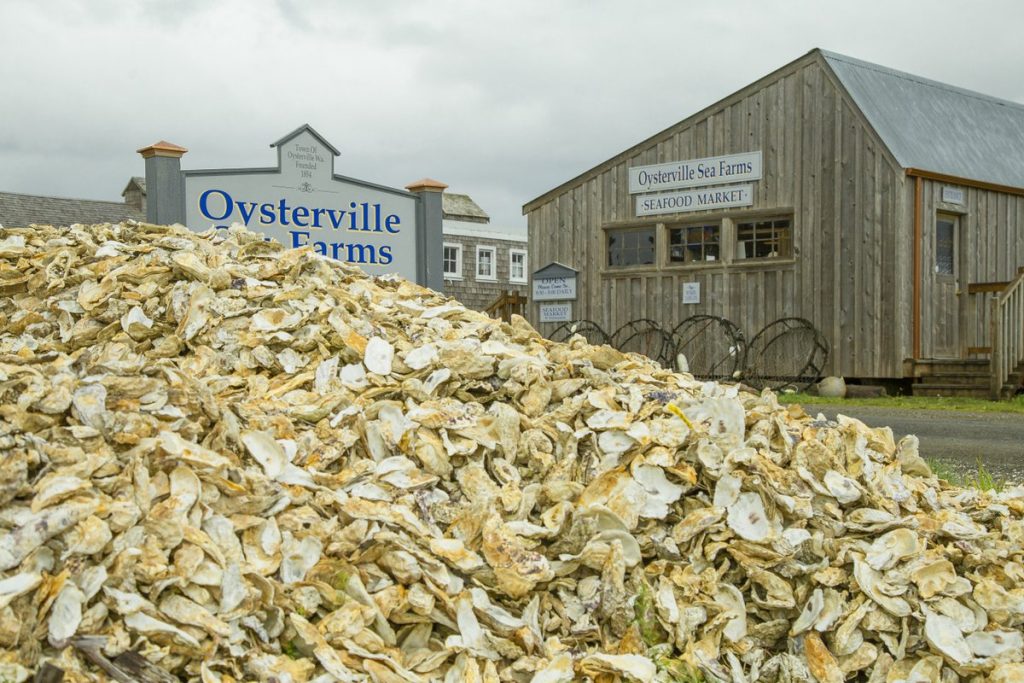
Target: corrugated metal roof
[(937, 127), (20, 210)]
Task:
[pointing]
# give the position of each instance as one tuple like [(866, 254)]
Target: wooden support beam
[(982, 287), (916, 330)]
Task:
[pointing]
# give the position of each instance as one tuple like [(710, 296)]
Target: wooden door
[(945, 331)]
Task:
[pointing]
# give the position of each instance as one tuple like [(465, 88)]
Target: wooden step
[(952, 390), (960, 378), (925, 368)]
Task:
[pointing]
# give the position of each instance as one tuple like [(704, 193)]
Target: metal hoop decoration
[(714, 347), (789, 352), (647, 338)]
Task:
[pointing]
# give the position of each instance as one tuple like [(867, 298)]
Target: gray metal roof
[(936, 127), (20, 210)]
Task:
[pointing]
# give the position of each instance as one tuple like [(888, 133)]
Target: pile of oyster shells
[(244, 463)]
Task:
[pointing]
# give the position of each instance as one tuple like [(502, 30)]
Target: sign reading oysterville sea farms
[(302, 202), (732, 168)]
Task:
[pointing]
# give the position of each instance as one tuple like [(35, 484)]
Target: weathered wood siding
[(991, 250), (849, 274)]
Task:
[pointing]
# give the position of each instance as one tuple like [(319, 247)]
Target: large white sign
[(556, 313), (732, 168), (554, 288), (302, 202), (695, 200)]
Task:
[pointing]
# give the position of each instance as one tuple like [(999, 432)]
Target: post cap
[(162, 149), (426, 185)]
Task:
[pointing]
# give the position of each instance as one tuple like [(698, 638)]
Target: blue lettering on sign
[(204, 200), (218, 205), (347, 251), (360, 216)]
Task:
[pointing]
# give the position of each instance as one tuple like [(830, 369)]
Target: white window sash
[(512, 254), (457, 275), (492, 275)]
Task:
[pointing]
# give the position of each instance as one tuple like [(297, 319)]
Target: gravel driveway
[(957, 438)]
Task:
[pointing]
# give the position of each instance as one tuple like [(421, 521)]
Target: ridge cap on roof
[(906, 75), (66, 199)]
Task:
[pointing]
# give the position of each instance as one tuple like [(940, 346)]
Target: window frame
[(955, 225), (493, 277), (720, 226), (737, 257), (511, 254), (655, 229), (457, 275)]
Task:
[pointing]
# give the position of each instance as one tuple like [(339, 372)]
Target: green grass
[(980, 478), (1014, 405)]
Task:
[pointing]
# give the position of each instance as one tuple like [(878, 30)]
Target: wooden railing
[(507, 303), (1006, 319)]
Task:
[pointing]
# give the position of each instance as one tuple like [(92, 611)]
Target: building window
[(945, 245), (452, 261), (517, 265), (764, 238), (694, 243), (632, 247), (485, 269)]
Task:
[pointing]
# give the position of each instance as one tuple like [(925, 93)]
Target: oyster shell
[(245, 463)]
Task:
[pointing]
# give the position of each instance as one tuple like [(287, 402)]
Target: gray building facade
[(480, 262), (885, 208)]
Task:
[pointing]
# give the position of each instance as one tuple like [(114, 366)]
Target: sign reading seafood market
[(302, 202), (695, 200), (731, 168)]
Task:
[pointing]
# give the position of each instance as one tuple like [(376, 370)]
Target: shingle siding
[(476, 293)]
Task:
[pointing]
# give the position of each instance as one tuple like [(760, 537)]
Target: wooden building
[(885, 208)]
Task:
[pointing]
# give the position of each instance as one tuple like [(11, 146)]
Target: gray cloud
[(502, 101)]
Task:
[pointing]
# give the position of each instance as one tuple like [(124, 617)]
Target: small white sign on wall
[(691, 292), (545, 289), (953, 195), (555, 313)]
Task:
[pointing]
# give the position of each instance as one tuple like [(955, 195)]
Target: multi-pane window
[(631, 247), (517, 265), (485, 266), (764, 238), (451, 260), (945, 245), (694, 243)]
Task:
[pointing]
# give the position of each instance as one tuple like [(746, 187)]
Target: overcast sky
[(501, 100)]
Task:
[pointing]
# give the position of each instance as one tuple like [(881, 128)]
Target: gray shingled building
[(480, 261), (18, 210)]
